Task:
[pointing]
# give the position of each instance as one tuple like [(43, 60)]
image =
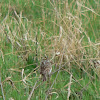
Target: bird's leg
[(48, 81)]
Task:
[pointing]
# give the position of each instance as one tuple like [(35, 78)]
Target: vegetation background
[(67, 31)]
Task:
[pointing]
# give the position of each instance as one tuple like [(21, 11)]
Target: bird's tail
[(44, 78)]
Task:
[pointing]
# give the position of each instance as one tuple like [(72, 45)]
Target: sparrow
[(45, 68)]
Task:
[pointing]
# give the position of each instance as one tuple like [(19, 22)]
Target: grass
[(68, 32)]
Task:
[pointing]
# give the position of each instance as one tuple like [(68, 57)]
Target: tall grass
[(68, 32)]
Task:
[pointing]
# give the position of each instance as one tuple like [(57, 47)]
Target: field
[(67, 31)]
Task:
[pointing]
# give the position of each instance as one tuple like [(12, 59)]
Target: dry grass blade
[(23, 78), (2, 55), (2, 89), (32, 91), (87, 8), (69, 87), (12, 83), (55, 93)]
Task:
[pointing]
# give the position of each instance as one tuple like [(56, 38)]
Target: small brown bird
[(45, 68)]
